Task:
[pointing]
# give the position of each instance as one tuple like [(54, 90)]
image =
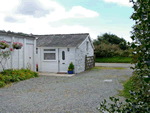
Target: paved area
[(127, 65), (80, 93), (55, 74)]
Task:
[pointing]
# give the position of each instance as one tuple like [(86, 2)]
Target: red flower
[(11, 49)]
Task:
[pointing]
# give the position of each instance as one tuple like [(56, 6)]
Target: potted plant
[(17, 45), (3, 44), (37, 67), (70, 68)]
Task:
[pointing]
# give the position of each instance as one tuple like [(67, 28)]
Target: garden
[(15, 75), (8, 76)]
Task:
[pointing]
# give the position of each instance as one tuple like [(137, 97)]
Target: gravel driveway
[(78, 94)]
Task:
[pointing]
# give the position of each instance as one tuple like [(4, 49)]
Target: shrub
[(7, 78), (107, 50), (15, 75), (7, 71), (125, 53), (2, 77), (71, 66), (2, 83)]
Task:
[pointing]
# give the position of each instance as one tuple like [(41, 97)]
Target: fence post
[(85, 62), (94, 60)]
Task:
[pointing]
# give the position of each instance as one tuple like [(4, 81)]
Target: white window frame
[(49, 52)]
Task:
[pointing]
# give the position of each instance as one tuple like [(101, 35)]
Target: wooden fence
[(89, 62)]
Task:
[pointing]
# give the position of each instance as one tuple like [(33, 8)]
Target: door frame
[(59, 59)]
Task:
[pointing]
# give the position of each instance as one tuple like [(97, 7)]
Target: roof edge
[(19, 33), (63, 34)]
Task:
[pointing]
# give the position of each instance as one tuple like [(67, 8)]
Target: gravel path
[(78, 94)]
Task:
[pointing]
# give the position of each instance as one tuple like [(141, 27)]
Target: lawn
[(114, 60), (132, 84)]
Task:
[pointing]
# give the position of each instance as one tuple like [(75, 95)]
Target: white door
[(29, 56), (63, 63)]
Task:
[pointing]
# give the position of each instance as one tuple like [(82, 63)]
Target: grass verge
[(133, 83), (114, 60), (100, 68)]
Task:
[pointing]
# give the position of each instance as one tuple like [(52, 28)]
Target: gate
[(89, 62)]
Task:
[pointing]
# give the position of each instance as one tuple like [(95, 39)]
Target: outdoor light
[(67, 49)]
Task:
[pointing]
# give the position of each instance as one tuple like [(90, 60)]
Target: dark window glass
[(63, 55), (36, 50), (49, 49), (49, 56)]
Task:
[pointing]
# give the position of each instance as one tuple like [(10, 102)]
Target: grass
[(100, 68), (114, 60), (129, 85)]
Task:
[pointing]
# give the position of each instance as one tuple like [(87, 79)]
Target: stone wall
[(80, 56)]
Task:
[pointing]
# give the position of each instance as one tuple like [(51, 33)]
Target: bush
[(125, 53), (2, 83), (71, 66), (107, 50), (16, 75)]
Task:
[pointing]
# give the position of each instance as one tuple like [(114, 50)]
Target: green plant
[(2, 83), (15, 75), (71, 67), (4, 56), (3, 44), (17, 45), (139, 100)]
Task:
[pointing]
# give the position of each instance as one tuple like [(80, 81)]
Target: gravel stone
[(80, 93)]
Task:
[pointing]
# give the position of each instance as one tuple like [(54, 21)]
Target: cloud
[(120, 2), (34, 8), (80, 12), (10, 19)]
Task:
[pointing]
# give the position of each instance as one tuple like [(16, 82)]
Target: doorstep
[(55, 74)]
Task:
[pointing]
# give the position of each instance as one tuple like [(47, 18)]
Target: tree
[(112, 39), (139, 101)]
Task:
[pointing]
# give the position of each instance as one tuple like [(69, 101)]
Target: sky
[(67, 16)]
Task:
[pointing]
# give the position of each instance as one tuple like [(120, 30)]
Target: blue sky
[(68, 16)]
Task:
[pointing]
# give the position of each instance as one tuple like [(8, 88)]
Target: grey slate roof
[(60, 40), (16, 34)]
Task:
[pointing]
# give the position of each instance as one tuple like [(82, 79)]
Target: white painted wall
[(80, 55), (54, 66), (19, 57), (47, 66)]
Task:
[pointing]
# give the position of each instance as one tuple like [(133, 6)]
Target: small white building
[(19, 58), (55, 52)]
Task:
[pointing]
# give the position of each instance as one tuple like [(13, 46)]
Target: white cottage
[(20, 58), (55, 52)]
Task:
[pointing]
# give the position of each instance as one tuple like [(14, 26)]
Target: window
[(49, 49), (87, 44), (49, 54), (63, 55), (36, 50)]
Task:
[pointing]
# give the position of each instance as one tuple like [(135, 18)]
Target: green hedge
[(15, 75)]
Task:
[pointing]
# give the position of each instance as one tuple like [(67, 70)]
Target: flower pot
[(70, 72), (20, 47), (3, 47), (17, 47)]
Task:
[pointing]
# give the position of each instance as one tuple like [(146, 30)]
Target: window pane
[(49, 49), (49, 56), (36, 50), (63, 55)]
